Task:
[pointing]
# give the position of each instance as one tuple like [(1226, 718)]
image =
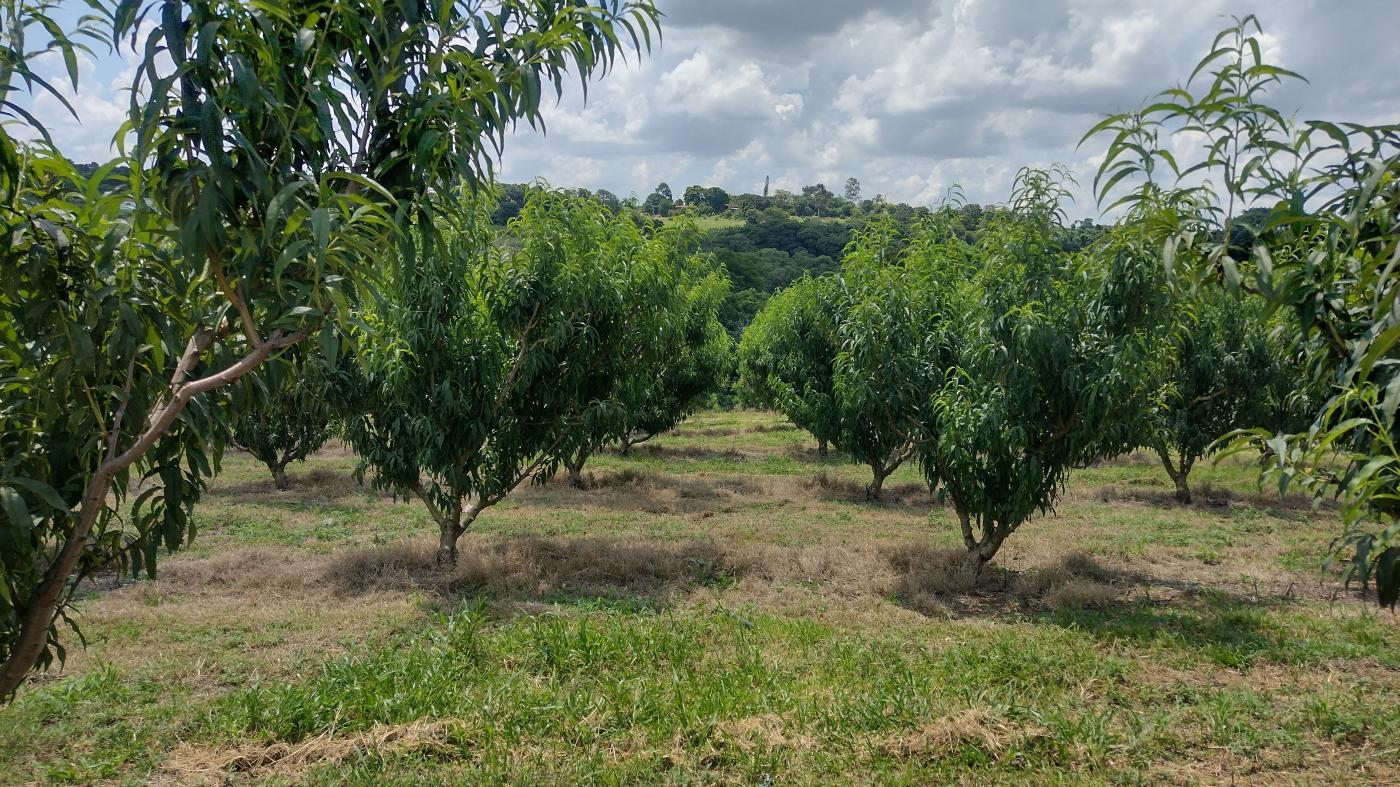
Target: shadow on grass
[(577, 569), (911, 495), (647, 491), (319, 485), (667, 453), (1232, 631), (1211, 497), (1078, 592)]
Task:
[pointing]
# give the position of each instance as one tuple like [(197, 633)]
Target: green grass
[(724, 608), (714, 222)]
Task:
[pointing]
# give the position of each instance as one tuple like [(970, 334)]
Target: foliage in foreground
[(1326, 255), (276, 152)]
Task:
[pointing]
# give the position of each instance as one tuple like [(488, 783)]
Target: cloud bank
[(908, 96)]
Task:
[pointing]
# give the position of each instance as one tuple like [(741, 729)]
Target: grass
[(714, 222), (722, 607)]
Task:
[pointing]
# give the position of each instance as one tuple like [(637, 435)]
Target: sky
[(911, 97)]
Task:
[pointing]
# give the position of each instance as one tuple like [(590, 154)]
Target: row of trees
[(1248, 299), (491, 363), (501, 357)]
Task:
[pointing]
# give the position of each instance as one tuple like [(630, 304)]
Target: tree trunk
[(279, 477), (821, 448), (972, 562), (626, 445), (876, 485), (979, 551), (1178, 474), (450, 529), (1183, 489), (447, 545), (576, 476), (43, 607)]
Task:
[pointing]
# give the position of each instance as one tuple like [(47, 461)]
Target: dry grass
[(190, 764), (535, 567), (829, 486), (948, 735), (1209, 495), (319, 484)]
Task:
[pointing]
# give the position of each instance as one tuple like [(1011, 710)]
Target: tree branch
[(245, 315)]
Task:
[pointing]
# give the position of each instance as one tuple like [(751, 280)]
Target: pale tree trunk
[(451, 525), (40, 615), (279, 477), (1183, 489), (821, 448)]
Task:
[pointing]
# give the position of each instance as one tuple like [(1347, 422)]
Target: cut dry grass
[(189, 764), (536, 568)]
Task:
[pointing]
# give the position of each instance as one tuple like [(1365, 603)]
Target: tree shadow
[(645, 491), (668, 453), (1077, 592), (319, 485), (540, 569), (906, 495), (1211, 497)]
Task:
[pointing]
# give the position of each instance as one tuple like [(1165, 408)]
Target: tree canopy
[(489, 360)]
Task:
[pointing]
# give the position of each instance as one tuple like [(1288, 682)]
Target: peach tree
[(485, 360), (689, 358), (1036, 368), (275, 151)]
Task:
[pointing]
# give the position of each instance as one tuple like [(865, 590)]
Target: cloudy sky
[(908, 96)]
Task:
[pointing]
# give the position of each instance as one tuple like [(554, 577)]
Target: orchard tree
[(898, 295), (1040, 369), (290, 415), (693, 360), (1222, 371), (788, 353), (1324, 253), (488, 359), (275, 152)]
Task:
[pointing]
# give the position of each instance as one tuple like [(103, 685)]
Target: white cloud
[(909, 96)]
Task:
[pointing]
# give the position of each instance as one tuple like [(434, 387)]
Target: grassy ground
[(721, 608), (714, 222)]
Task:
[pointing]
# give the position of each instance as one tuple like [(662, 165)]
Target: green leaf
[(41, 490)]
